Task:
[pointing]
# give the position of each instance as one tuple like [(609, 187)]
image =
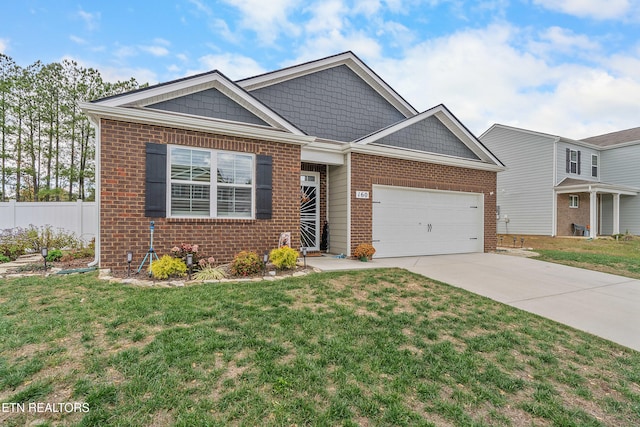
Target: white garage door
[(411, 222)]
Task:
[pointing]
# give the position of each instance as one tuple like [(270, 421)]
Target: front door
[(309, 210)]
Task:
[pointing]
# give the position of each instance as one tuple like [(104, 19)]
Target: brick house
[(324, 150)]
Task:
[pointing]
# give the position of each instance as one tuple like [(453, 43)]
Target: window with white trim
[(191, 184), (573, 161), (574, 201), (594, 165)]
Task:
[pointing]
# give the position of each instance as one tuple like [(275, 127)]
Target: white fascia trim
[(580, 143), (348, 59), (201, 124), (521, 130), (328, 153), (458, 129), (160, 92), (600, 188), (420, 156)]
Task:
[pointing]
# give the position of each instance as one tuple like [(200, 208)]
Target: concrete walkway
[(601, 304)]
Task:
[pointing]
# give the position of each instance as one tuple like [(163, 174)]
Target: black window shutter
[(568, 160), (155, 200), (578, 162), (264, 187)]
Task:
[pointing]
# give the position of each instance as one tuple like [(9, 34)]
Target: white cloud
[(142, 75), (161, 41), (334, 42), (267, 19), (484, 78), (91, 20), (4, 45), (221, 28), (115, 74), (201, 7), (564, 40), (77, 40), (327, 16), (233, 66), (367, 7), (155, 50), (125, 52), (594, 9)]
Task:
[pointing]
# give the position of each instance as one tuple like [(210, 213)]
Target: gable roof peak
[(347, 58)]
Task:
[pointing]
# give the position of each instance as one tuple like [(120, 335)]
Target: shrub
[(54, 255), (246, 263), (4, 258), (13, 242), (47, 237), (168, 266), (88, 252), (364, 250), (184, 249), (210, 273), (284, 257)]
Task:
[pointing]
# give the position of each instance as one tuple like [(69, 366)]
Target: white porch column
[(616, 213), (593, 214)]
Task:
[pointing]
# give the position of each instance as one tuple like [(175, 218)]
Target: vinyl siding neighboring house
[(525, 197), (622, 165), (560, 186)]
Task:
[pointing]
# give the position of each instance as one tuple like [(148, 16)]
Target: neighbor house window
[(574, 201), (195, 193), (573, 161), (594, 165)]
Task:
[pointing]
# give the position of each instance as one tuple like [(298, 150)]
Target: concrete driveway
[(602, 304)]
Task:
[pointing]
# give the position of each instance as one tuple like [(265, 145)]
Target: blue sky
[(567, 67)]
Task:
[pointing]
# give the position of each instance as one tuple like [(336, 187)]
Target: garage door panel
[(411, 222)]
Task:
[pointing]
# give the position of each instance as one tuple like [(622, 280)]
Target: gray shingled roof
[(613, 138)]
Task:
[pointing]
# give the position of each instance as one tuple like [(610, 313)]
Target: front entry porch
[(594, 206)]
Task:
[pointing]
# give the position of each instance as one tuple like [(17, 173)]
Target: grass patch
[(376, 347), (605, 254)]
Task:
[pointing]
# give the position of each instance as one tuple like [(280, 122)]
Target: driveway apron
[(602, 304)]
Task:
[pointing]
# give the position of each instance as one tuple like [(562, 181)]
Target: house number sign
[(362, 194)]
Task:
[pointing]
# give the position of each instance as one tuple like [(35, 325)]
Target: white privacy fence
[(78, 217)]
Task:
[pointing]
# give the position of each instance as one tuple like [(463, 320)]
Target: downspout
[(96, 260), (348, 248), (554, 198)]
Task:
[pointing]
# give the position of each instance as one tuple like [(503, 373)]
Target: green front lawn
[(377, 347), (621, 257)]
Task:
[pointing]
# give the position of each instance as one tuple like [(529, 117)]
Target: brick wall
[(568, 216), (124, 226), (367, 170)]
